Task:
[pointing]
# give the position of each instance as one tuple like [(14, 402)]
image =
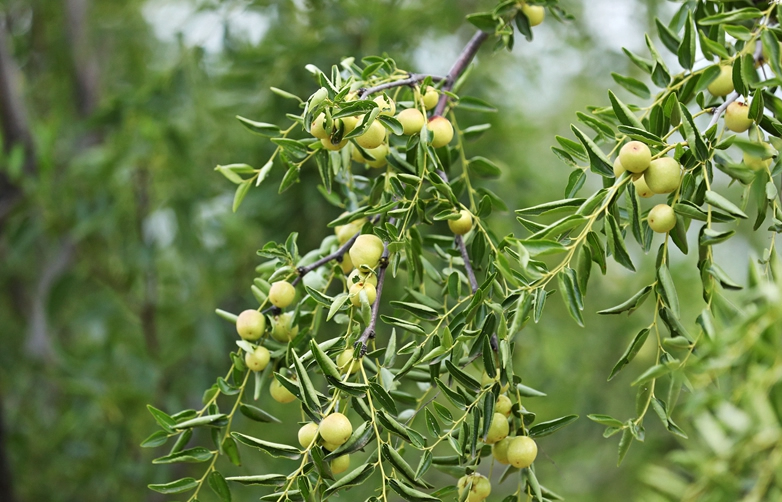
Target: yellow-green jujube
[(535, 13), (641, 188), (662, 218), (498, 429), (723, 84), (663, 175), (335, 429), (499, 450), (349, 123), (442, 131), (250, 324), (330, 446), (258, 359), (346, 264), (737, 117), (503, 405), (283, 329), (463, 224), (318, 129), (431, 97), (522, 451), (635, 156), (340, 464), (756, 163), (329, 145), (345, 361), (373, 137), (348, 230), (307, 434), (487, 380), (412, 120), (358, 276), (386, 105), (367, 250), (379, 154), (282, 294), (367, 288), (280, 393), (619, 169), (479, 487)]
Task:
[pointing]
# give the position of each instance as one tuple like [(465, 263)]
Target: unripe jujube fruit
[(373, 137), (340, 464), (412, 120), (756, 163), (250, 324), (442, 131), (380, 153), (522, 451), (535, 13), (635, 156), (355, 293), (335, 429), (307, 434), (346, 264), (258, 359), (358, 276), (367, 250), (463, 224), (487, 380), (280, 393), (723, 84), (348, 230), (317, 128), (349, 123), (328, 145), (641, 188), (503, 405), (282, 294), (330, 446), (386, 105), (619, 169), (283, 329), (431, 97), (663, 175), (498, 429), (480, 489), (344, 361), (737, 117), (662, 218), (499, 450)]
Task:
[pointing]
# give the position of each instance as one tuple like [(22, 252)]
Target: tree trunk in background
[(6, 479)]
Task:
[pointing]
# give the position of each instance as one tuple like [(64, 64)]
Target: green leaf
[(328, 366), (484, 168), (410, 494), (260, 480), (273, 449), (623, 113), (571, 294), (261, 128), (721, 202), (257, 414), (402, 466), (654, 372), (353, 478), (669, 39), (634, 86), (156, 439), (686, 52), (219, 486), (550, 207), (668, 289), (475, 105), (733, 17), (598, 162), (630, 352), (605, 420), (178, 486), (192, 455), (309, 395), (199, 421), (551, 426), (163, 419), (616, 243), (240, 193), (463, 378), (631, 305), (624, 445)]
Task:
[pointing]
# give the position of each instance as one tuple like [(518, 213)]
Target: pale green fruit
[(386, 105), (258, 359), (498, 429), (344, 361), (503, 405), (307, 434), (641, 188), (335, 429), (619, 169), (355, 293), (350, 123), (737, 117), (340, 464), (250, 324), (499, 450), (355, 154), (282, 328), (431, 97), (367, 250), (635, 156), (535, 14), (330, 446), (358, 276), (522, 452), (442, 131), (663, 175), (380, 153), (463, 224), (346, 265), (756, 163), (662, 218), (282, 294), (723, 84), (479, 490), (412, 120), (348, 230), (373, 137), (328, 145), (280, 393), (487, 380), (317, 128)]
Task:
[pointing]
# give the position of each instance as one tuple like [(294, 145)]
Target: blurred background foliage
[(117, 240)]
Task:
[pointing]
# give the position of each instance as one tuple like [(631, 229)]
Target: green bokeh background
[(124, 243)]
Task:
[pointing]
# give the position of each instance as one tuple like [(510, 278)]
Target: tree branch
[(464, 59), (467, 265), (336, 255), (369, 332), (411, 80)]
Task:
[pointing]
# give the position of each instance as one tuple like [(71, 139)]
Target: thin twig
[(369, 332), (466, 257), (412, 79), (464, 59), (336, 255), (733, 96)]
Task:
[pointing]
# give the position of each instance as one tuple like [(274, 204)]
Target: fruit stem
[(461, 63)]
